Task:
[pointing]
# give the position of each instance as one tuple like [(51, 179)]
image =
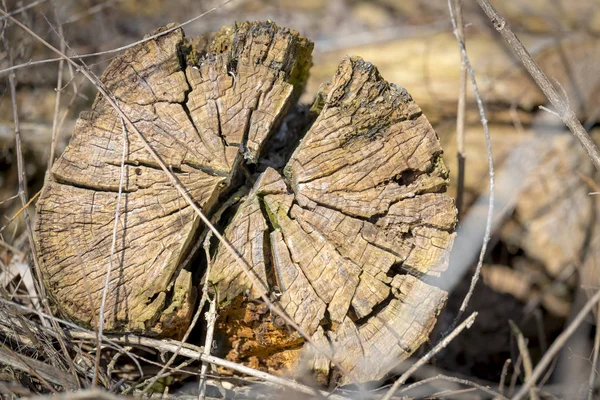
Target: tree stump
[(348, 238)]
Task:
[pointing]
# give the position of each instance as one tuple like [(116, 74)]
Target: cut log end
[(340, 238)]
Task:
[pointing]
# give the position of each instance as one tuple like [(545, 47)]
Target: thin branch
[(524, 351), (593, 370), (113, 246), (59, 89), (567, 115), (488, 143), (211, 318), (503, 376), (198, 354), (22, 182), (455, 380), (206, 243), (557, 345), (425, 359), (20, 10), (460, 114), (118, 49), (171, 370)]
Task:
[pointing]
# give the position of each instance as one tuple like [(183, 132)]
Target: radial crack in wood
[(340, 237), (200, 109), (355, 223)]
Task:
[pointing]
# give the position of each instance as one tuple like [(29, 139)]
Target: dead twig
[(455, 380), (448, 393), (22, 182), (113, 245), (567, 115), (9, 199), (198, 354), (116, 50), (524, 351), (211, 318), (557, 345), (460, 114), (425, 359), (503, 376), (594, 370), (204, 298), (171, 370), (31, 200), (488, 143), (91, 11), (21, 9), (515, 375)]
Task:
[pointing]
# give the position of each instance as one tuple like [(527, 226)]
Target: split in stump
[(342, 238)]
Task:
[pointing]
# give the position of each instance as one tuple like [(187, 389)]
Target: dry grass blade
[(460, 114), (557, 345), (30, 328), (112, 254), (21, 210), (118, 49), (488, 142), (44, 372), (21, 9), (465, 382), (524, 351), (211, 318), (22, 184), (594, 368)]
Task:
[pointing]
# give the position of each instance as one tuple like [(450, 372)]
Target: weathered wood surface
[(198, 119), (346, 234), (342, 238)]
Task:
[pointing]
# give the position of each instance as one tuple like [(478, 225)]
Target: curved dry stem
[(488, 143)]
